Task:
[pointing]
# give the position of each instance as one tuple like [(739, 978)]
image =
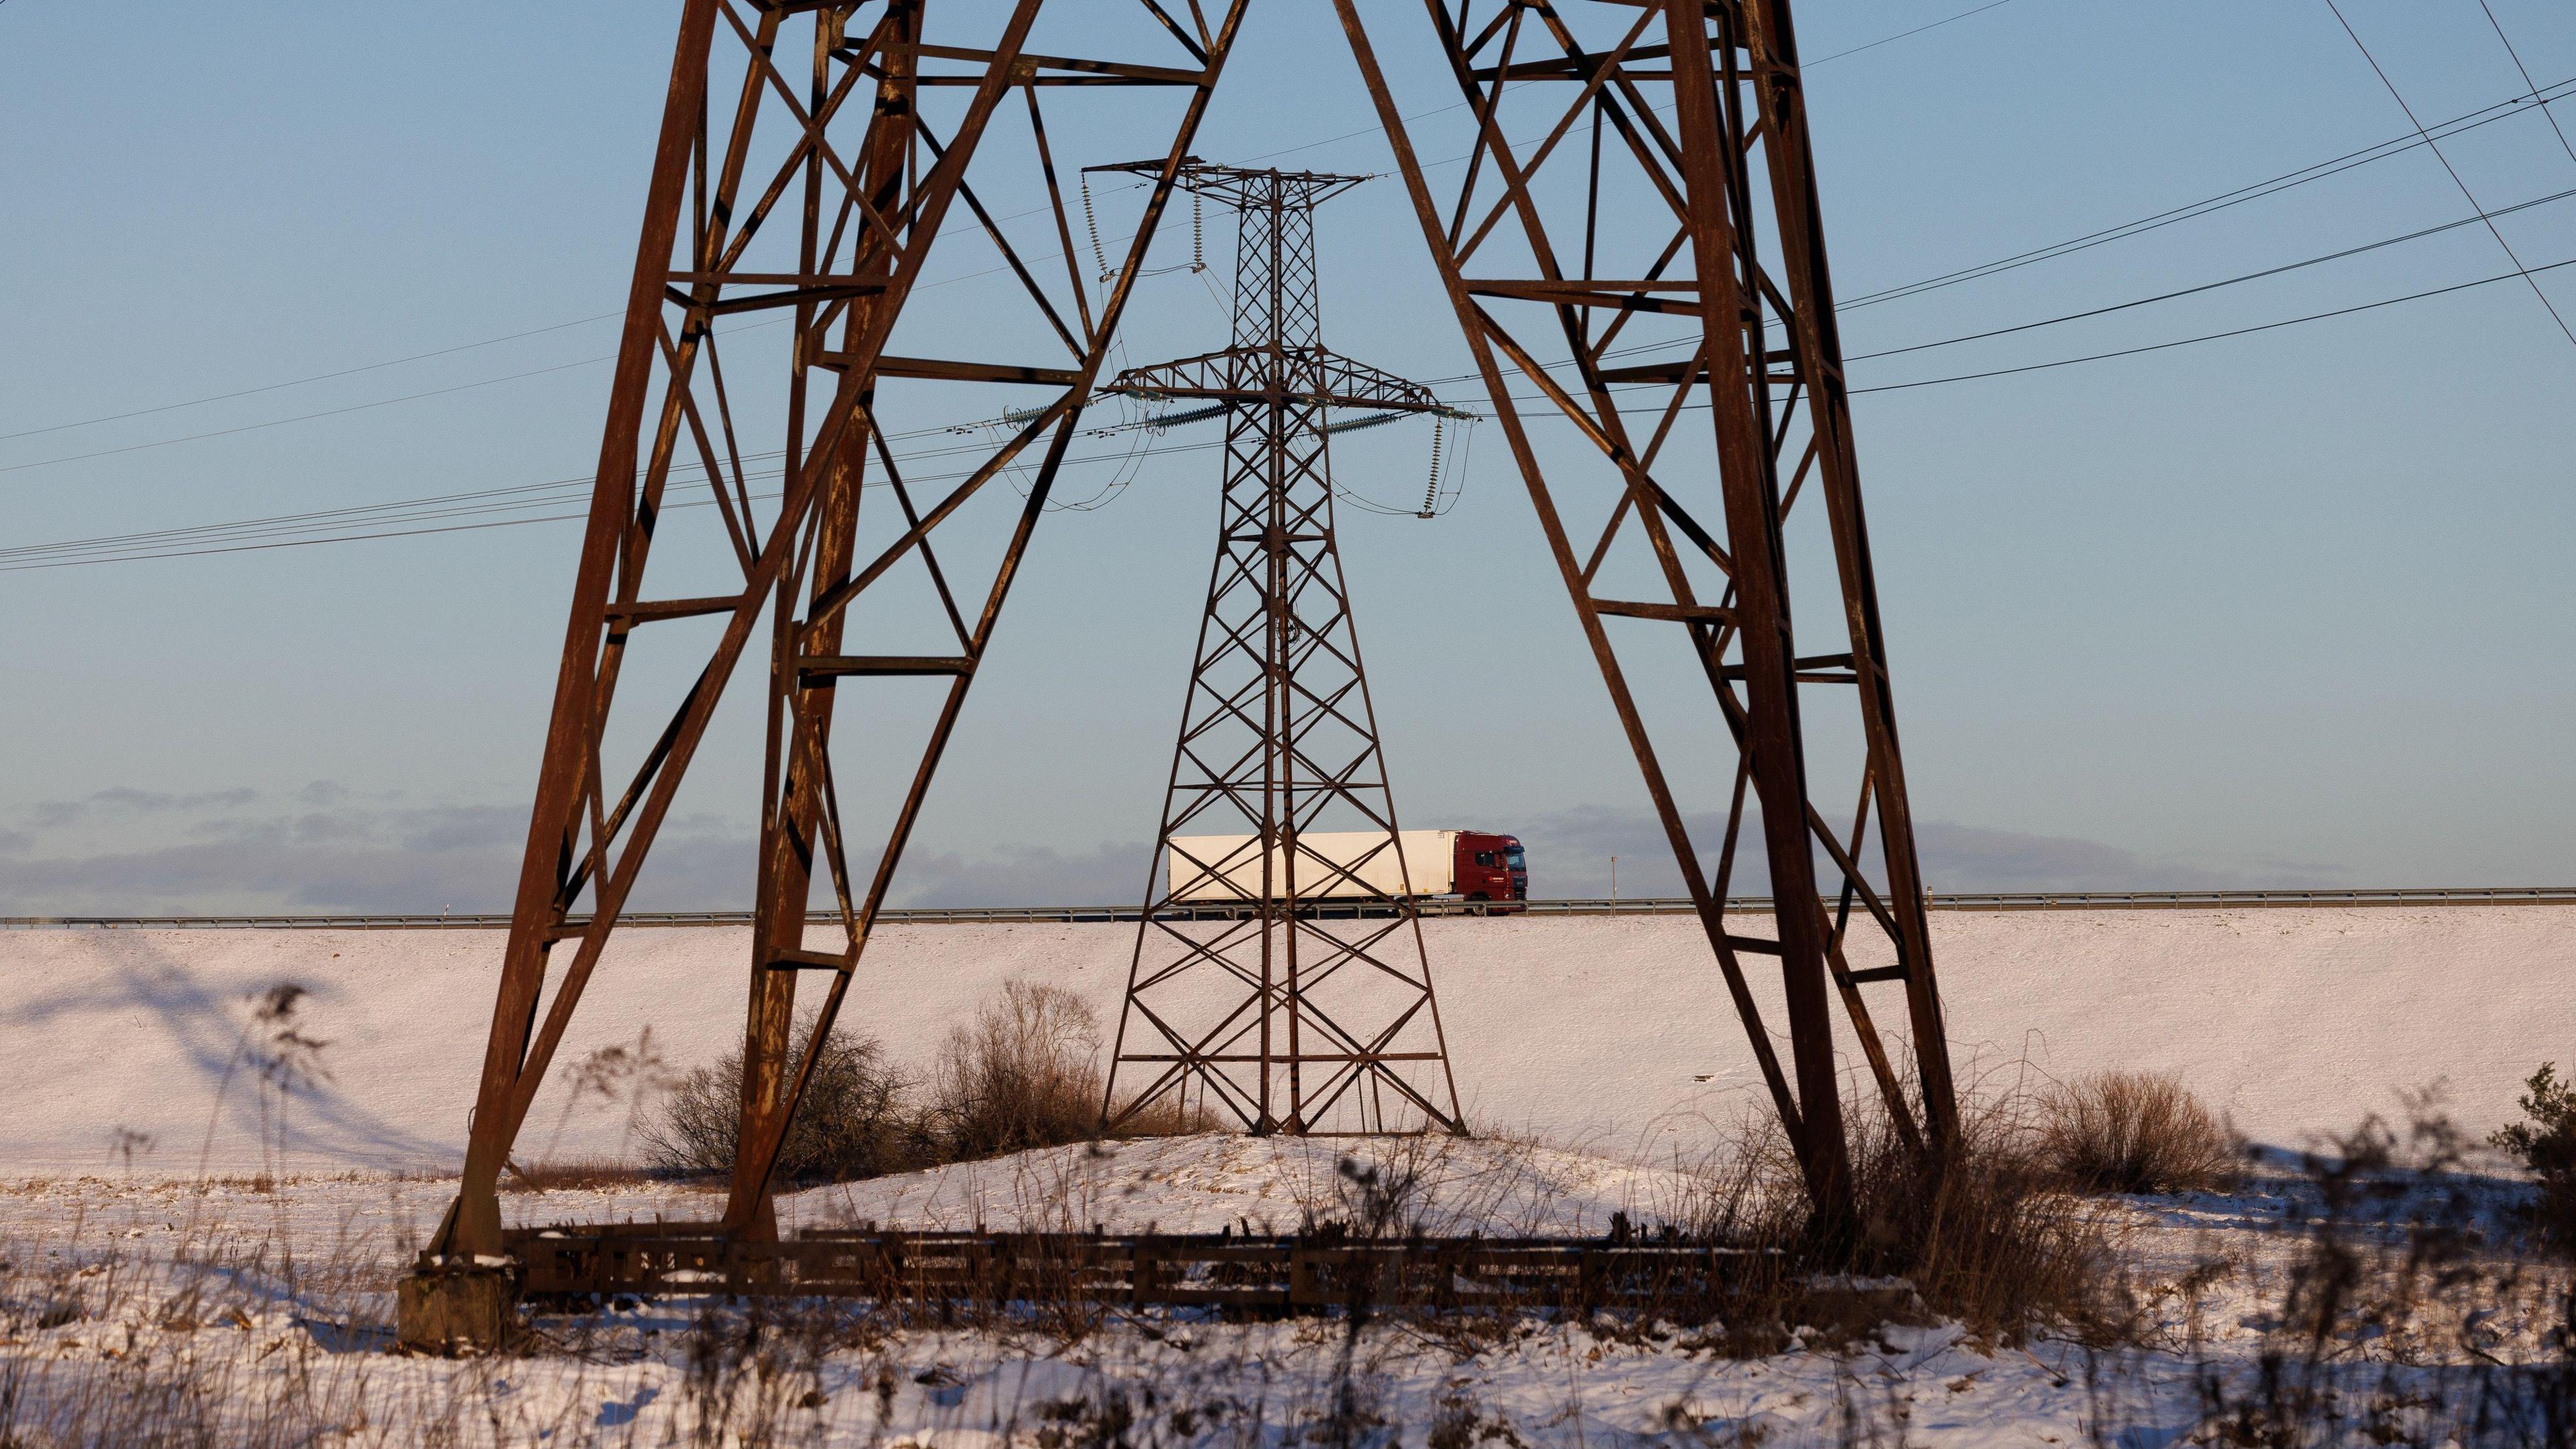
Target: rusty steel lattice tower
[(1287, 1017), (1633, 241)]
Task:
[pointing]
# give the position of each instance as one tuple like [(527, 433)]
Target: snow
[(1265, 1185), (150, 1304), (1604, 1032)]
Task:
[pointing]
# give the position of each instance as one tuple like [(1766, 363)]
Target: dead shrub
[(1024, 1073), (1982, 1235), (853, 1121), (2133, 1132)]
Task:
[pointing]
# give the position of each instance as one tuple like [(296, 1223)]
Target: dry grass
[(578, 1176), (2133, 1132), (2404, 1317), (2394, 1324), (1982, 1236)]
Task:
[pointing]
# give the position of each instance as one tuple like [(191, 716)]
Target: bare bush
[(1980, 1233), (1024, 1073), (853, 1121), (2133, 1132)]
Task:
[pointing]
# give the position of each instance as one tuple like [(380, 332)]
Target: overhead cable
[(2453, 172)]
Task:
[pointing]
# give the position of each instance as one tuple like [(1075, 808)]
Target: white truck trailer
[(1330, 865)]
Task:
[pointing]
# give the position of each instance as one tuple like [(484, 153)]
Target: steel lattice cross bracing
[(1284, 1020), (811, 159)]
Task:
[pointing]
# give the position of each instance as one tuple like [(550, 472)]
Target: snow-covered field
[(144, 1296), (152, 1311), (1612, 1033)]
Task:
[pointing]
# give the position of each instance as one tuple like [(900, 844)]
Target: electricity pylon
[(1303, 1004), (1613, 260)]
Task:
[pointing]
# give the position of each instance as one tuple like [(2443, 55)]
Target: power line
[(2453, 172), (2485, 115), (417, 396), (1903, 34), (2422, 136), (304, 417), (317, 377), (28, 559), (2333, 256), (289, 530), (2128, 351), (2219, 336), (2273, 271), (2253, 191), (2525, 72), (960, 228), (422, 509)]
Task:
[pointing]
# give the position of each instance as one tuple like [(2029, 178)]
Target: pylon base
[(457, 1309)]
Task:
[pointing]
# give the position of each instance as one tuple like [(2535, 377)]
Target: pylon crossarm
[(1322, 379)]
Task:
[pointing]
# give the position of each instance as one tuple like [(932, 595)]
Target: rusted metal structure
[(1242, 1273), (811, 158), (1283, 1018), (1735, 258)]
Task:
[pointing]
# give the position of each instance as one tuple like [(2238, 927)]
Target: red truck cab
[(1491, 867)]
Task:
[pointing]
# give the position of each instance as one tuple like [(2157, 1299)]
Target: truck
[(1467, 865)]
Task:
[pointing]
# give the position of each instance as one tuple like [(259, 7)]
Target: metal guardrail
[(939, 915)]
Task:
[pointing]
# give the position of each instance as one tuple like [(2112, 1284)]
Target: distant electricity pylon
[(1615, 263), (1312, 1010)]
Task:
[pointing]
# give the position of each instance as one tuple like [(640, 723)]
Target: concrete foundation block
[(449, 1310)]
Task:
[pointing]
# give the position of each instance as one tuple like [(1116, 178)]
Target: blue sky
[(2288, 608)]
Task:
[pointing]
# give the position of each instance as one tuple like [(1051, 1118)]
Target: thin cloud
[(324, 848), (1570, 856)]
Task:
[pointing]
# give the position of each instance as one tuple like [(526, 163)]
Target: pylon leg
[(1732, 295), (718, 243)]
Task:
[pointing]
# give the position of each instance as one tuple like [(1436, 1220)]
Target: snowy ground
[(148, 1285), (131, 1309), (1610, 1032)]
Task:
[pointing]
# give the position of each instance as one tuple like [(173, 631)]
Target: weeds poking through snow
[(2401, 1319), (1375, 1200), (636, 1075), (284, 1061), (2377, 1295)]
